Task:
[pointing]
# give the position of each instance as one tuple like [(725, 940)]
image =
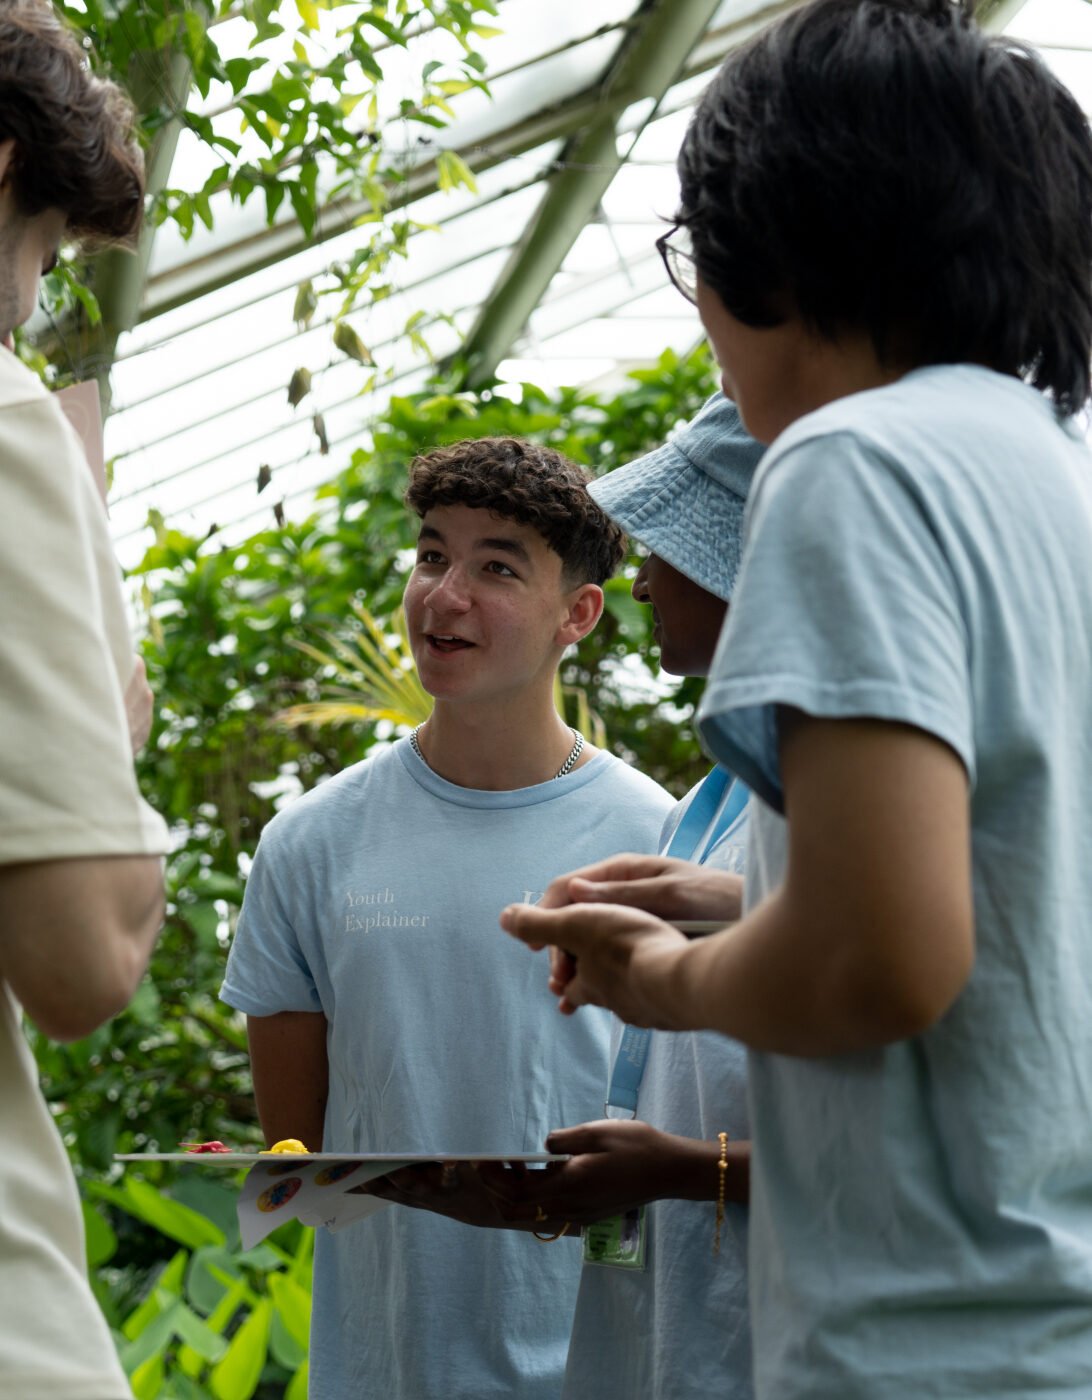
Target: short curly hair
[(530, 484), (74, 132)]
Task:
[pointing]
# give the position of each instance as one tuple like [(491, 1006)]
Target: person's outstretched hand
[(663, 885), (616, 957), (614, 1166), (673, 889)]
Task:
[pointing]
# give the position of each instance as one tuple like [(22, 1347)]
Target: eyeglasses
[(679, 261)]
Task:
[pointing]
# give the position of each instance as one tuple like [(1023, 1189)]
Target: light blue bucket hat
[(685, 501)]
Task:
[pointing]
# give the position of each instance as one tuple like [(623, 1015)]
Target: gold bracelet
[(722, 1173), (549, 1239)]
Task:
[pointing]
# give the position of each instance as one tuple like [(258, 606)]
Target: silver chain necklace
[(567, 767)]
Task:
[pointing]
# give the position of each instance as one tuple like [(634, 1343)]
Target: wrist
[(674, 992)]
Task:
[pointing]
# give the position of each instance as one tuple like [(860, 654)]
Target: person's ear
[(584, 608)]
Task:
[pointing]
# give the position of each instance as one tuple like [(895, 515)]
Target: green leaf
[(304, 306), (197, 1335), (145, 1005), (205, 1289), (293, 1307), (238, 71), (621, 604), (204, 918), (304, 206), (170, 1218), (308, 12), (99, 1234), (283, 1347), (297, 1386), (349, 343), (236, 1377), (452, 171), (299, 386), (195, 35), (147, 1379), (169, 1281)]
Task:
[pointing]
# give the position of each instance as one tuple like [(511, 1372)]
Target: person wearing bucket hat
[(662, 1308)]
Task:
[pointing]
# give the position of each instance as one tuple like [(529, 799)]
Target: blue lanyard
[(709, 803)]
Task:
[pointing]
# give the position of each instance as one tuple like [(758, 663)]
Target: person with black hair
[(888, 234)]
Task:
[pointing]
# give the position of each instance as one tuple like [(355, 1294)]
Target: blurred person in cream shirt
[(81, 884)]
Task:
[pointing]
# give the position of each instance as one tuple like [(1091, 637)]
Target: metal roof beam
[(650, 60)]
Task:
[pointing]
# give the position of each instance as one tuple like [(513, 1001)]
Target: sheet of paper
[(310, 1191)]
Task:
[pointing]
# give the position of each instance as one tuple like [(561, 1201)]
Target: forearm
[(77, 937), (696, 1171), (291, 1074), (777, 981)]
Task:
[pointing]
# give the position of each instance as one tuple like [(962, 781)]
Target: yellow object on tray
[(285, 1145)]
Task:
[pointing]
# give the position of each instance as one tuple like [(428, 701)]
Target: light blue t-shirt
[(679, 1328), (374, 899), (921, 1214)]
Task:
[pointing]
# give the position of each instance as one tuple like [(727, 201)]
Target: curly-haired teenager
[(890, 220), (382, 1015), (81, 883)]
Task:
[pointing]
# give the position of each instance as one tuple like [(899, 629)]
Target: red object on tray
[(214, 1146)]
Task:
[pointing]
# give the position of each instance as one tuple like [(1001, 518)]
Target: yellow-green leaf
[(293, 1304), (297, 1386), (452, 171), (147, 1380), (349, 343), (299, 386), (236, 1377), (303, 308)]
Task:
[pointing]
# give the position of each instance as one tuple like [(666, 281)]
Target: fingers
[(615, 868), (532, 924), (573, 928), (658, 896), (585, 1137), (577, 994), (562, 970)]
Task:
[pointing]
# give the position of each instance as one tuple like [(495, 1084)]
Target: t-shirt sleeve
[(67, 783), (267, 969), (846, 607)]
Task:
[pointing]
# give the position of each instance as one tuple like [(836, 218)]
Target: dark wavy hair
[(883, 166), (74, 144), (532, 485)]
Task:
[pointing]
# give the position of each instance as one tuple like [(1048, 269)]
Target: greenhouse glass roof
[(547, 272)]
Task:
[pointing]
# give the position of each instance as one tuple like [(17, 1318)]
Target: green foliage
[(212, 1322), (293, 107), (323, 102)]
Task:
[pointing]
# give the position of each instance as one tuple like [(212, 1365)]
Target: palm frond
[(374, 678)]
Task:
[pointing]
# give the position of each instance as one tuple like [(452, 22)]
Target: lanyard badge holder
[(621, 1241)]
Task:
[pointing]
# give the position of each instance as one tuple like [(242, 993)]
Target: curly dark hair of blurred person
[(532, 485), (883, 166), (74, 142)]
